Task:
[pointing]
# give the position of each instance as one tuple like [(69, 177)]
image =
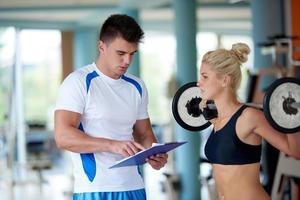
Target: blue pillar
[(267, 20), (85, 46), (135, 64), (187, 156), (134, 67)]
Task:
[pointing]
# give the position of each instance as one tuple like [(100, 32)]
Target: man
[(101, 117)]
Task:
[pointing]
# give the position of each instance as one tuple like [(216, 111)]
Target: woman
[(234, 146)]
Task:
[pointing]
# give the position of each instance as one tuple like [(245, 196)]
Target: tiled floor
[(57, 185)]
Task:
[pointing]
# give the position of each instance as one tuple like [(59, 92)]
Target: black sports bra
[(224, 146)]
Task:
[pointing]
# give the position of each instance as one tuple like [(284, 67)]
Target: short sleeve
[(72, 94), (143, 107)]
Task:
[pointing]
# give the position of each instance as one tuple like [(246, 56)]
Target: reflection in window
[(158, 66), (7, 49), (41, 62)]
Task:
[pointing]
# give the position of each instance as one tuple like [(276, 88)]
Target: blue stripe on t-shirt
[(89, 78), (88, 162), (88, 159), (134, 82), (139, 170)]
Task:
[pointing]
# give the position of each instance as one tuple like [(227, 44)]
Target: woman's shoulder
[(248, 122), (251, 114)]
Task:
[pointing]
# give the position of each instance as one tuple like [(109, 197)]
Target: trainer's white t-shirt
[(109, 108)]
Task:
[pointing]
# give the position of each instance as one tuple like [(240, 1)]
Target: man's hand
[(158, 161), (126, 148)]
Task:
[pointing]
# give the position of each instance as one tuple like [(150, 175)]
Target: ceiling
[(226, 16)]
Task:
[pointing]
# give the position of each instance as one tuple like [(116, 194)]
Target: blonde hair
[(228, 62)]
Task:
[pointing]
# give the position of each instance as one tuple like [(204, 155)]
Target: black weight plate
[(281, 116), (179, 110)]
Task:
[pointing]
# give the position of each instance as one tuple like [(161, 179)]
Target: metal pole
[(19, 111)]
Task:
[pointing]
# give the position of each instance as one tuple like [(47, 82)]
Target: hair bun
[(241, 51)]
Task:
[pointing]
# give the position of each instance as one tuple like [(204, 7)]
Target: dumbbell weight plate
[(185, 100), (279, 114)]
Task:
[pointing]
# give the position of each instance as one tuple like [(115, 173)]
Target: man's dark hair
[(119, 25)]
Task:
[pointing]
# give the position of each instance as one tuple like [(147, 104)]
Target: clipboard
[(140, 157)]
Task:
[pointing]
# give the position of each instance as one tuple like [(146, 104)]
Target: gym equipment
[(186, 108), (281, 106), (287, 169), (280, 44)]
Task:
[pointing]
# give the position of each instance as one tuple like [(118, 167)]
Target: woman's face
[(210, 82)]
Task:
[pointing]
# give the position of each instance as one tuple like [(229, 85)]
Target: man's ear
[(101, 46)]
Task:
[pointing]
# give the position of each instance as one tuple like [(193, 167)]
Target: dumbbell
[(281, 106)]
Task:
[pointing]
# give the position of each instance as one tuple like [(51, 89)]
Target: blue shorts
[(127, 195)]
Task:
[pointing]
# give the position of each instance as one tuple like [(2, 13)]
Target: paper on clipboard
[(140, 157)]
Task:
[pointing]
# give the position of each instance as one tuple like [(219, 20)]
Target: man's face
[(117, 56)]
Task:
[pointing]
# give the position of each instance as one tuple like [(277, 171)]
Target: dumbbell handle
[(295, 105), (211, 106), (256, 105)]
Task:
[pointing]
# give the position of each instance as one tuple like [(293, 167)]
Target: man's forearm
[(74, 140), (146, 140)]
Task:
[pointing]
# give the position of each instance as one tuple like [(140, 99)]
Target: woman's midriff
[(236, 182)]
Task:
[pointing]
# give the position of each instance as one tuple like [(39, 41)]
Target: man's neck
[(100, 64)]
